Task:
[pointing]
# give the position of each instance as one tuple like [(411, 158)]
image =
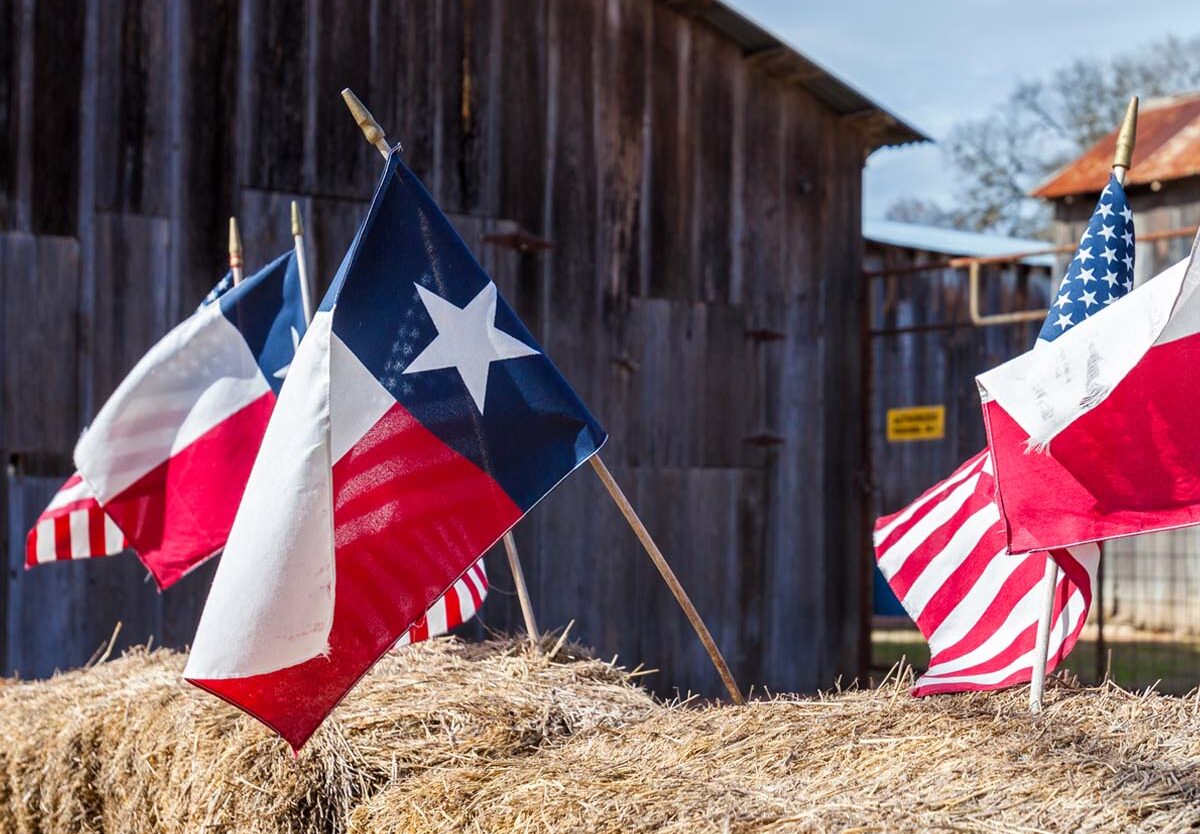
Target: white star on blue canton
[(1109, 255), (1104, 210), (1088, 298), (1086, 276), (1127, 214), (467, 340), (1063, 321), (1110, 278), (1083, 255), (1062, 301), (1107, 232)]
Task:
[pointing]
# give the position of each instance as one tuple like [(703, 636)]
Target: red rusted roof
[(1168, 148)]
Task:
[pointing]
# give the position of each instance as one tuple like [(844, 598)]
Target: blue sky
[(934, 62)]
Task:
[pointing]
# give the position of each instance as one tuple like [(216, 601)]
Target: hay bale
[(447, 737), (127, 746), (1100, 760)]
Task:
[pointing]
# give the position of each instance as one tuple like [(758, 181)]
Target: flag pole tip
[(235, 237), (235, 243), (297, 222), (1127, 136), (362, 116)]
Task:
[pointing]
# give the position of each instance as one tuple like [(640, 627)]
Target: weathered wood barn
[(668, 195), (1149, 581)]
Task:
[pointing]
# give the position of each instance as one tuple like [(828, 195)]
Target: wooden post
[(514, 564), (1122, 160), (235, 251), (301, 262), (374, 134), (669, 577)]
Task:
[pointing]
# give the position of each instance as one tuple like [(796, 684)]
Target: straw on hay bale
[(450, 737)]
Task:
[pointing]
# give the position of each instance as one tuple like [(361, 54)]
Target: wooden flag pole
[(301, 262), (668, 575), (235, 251), (374, 134), (1122, 160)]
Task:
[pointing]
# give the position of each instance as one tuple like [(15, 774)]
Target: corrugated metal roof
[(954, 242), (773, 56), (1168, 148)]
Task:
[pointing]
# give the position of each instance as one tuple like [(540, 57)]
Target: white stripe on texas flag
[(169, 453)]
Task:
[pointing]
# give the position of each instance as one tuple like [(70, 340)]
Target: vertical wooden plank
[(711, 116), (842, 361), (9, 107), (40, 306), (131, 307), (345, 165), (23, 121), (798, 491), (671, 181), (207, 146), (58, 58), (134, 139), (277, 47), (522, 149), (480, 103)]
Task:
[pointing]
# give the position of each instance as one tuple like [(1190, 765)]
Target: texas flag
[(1096, 435), (419, 422), (167, 457)]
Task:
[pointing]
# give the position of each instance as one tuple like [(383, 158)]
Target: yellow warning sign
[(917, 422)]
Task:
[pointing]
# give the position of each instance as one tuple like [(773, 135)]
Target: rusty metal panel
[(1168, 148)]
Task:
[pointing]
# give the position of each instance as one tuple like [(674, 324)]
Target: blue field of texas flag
[(419, 421)]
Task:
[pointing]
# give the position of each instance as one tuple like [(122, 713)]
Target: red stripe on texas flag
[(179, 513), (411, 516)]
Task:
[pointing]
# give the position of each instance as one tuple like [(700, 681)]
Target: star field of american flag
[(1102, 269)]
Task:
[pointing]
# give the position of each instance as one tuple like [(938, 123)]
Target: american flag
[(452, 609), (73, 526), (944, 555)]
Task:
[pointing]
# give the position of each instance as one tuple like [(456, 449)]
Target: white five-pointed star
[(1062, 301), (1127, 214), (1127, 236), (1088, 298), (467, 340), (1109, 255), (1105, 210), (1110, 278), (1108, 232), (1086, 276), (283, 372), (1083, 255), (1063, 321)]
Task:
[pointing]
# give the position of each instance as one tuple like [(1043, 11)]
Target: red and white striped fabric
[(976, 605), (72, 527), (452, 609)]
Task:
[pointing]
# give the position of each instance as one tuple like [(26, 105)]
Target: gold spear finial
[(235, 244), (1127, 136), (297, 223), (366, 121)]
